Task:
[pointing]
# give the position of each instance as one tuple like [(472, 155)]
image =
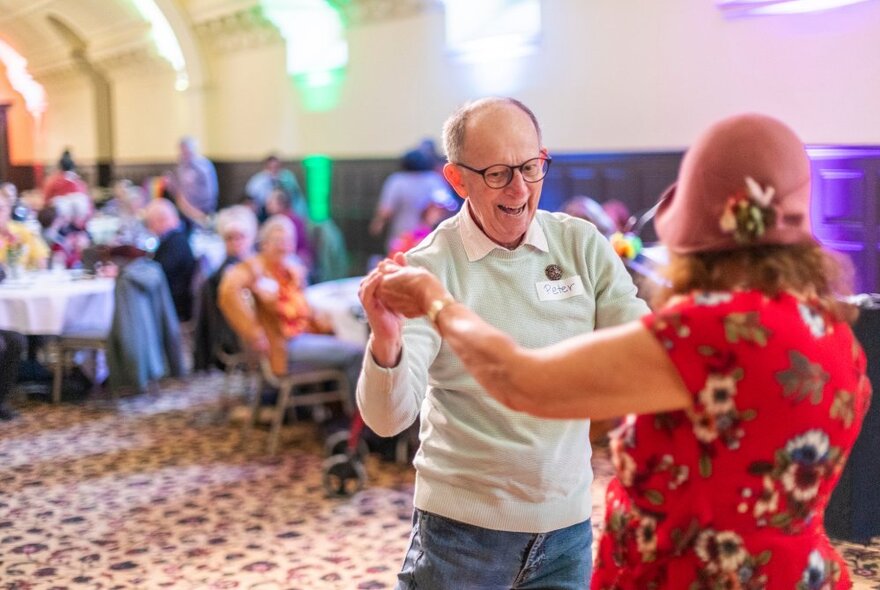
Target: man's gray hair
[(190, 142), (237, 218), (455, 125)]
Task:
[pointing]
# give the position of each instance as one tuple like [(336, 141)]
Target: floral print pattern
[(820, 573), (729, 493), (725, 563)]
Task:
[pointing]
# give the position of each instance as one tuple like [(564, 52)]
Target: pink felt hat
[(744, 182)]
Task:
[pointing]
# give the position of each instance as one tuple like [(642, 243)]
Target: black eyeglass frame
[(482, 173)]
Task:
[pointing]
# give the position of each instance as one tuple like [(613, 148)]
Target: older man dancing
[(502, 499)]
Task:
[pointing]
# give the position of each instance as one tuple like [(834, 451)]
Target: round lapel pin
[(553, 272)]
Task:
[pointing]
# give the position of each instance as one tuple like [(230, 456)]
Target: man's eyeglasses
[(500, 175)]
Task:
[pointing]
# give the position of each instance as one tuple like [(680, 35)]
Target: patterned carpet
[(152, 493)]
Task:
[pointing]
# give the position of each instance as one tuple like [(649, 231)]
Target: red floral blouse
[(731, 493), (292, 307)]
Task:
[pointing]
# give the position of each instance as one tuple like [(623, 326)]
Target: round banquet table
[(54, 303), (338, 300)]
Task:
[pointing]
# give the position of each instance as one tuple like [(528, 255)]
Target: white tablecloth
[(339, 301), (53, 303)]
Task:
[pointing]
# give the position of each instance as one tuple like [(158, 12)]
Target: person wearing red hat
[(744, 391)]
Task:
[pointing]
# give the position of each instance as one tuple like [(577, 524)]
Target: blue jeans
[(445, 554)]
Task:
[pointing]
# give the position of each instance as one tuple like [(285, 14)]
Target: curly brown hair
[(802, 268)]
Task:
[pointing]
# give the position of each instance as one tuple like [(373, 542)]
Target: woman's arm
[(232, 299), (600, 375)]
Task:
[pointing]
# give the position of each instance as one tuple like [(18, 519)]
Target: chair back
[(145, 341)]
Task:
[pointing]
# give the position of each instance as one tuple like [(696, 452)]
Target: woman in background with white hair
[(280, 323), (237, 225)]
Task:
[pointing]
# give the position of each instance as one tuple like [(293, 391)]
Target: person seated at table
[(747, 387), (174, 254), (67, 217), (8, 191), (279, 203), (127, 207), (18, 245), (237, 225), (280, 324), (11, 345), (21, 211)]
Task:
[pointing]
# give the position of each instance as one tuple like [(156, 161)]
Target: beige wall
[(608, 75), (69, 121), (149, 118), (253, 109)]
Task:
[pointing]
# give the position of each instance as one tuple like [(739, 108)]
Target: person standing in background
[(405, 195), (273, 177), (194, 182)]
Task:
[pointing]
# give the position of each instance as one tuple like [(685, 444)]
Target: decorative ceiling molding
[(120, 40), (245, 29), (21, 9), (201, 11), (142, 59), (361, 12)]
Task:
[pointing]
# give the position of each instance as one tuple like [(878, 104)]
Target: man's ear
[(452, 174)]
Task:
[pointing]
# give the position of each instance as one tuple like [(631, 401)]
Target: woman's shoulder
[(244, 271)]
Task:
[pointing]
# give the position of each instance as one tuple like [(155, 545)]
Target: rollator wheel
[(343, 475), (337, 444)]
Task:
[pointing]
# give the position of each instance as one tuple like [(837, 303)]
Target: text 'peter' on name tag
[(561, 289)]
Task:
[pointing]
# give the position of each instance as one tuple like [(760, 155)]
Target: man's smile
[(513, 210)]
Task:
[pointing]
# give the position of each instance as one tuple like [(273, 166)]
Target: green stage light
[(318, 173)]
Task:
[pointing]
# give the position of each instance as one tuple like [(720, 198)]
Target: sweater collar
[(477, 244)]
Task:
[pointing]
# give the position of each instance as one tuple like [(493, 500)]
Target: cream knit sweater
[(479, 462)]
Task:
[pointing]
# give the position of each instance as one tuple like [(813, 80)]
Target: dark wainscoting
[(635, 179), (4, 142), (846, 208), (24, 177)]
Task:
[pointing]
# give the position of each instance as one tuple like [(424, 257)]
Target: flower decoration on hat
[(748, 213)]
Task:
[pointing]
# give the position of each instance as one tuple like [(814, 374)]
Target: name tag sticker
[(561, 289)]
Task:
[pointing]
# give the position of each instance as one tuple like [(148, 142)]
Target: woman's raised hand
[(407, 290)]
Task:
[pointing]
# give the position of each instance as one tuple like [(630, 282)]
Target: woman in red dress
[(745, 391)]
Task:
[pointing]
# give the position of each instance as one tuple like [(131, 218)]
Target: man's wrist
[(385, 353)]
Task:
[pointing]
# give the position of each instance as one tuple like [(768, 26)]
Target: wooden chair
[(65, 346)]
